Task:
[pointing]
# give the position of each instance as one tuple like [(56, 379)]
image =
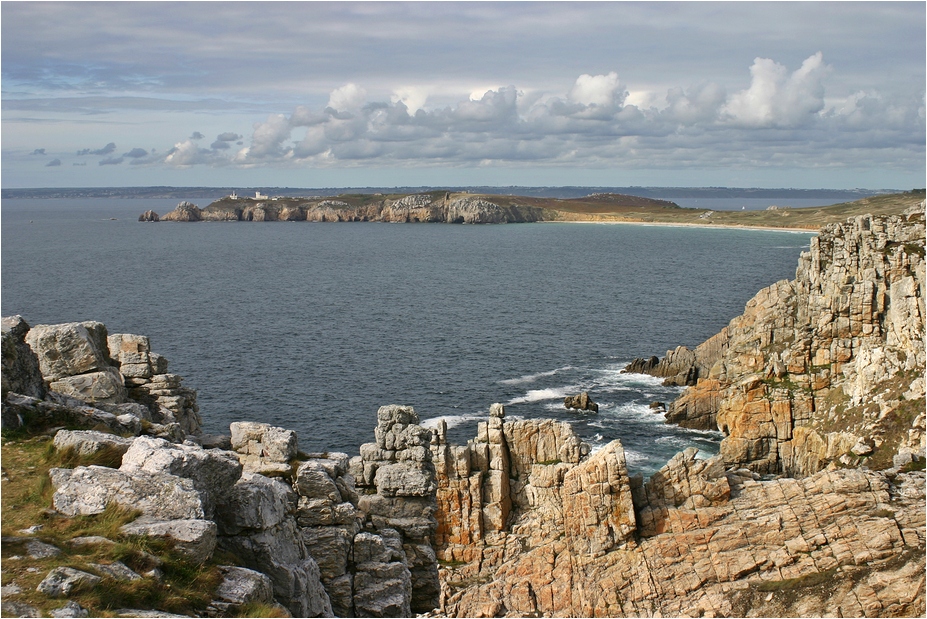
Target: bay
[(314, 326)]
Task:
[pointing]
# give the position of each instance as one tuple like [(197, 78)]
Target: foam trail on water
[(538, 395), (530, 378)]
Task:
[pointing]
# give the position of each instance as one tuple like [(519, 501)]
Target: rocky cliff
[(525, 519), (826, 369), (430, 207)]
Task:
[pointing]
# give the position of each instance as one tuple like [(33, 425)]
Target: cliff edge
[(823, 370)]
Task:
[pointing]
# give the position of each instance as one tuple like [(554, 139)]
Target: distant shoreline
[(685, 225)]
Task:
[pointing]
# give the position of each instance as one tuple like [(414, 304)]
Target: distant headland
[(446, 206)]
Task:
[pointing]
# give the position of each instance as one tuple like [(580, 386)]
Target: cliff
[(430, 207), (523, 520), (826, 369)]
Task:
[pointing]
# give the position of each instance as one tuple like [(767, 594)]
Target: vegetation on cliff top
[(183, 588), (609, 207)]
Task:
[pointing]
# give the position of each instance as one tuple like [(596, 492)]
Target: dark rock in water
[(149, 216), (642, 366), (658, 407), (581, 402)]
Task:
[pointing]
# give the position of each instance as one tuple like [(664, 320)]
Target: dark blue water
[(314, 326)]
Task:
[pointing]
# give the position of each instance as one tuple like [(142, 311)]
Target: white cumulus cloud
[(600, 90), (776, 98)]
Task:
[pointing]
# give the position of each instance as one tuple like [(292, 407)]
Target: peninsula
[(116, 502), (475, 208)]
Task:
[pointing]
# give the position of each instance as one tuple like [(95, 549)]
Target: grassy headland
[(631, 209)]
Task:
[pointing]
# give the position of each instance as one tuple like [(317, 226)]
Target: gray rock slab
[(194, 538), (116, 570), (88, 490), (40, 550), (68, 349), (87, 442), (71, 609), (213, 472), (61, 581), (243, 586)]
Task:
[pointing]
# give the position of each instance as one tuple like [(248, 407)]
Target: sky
[(343, 94)]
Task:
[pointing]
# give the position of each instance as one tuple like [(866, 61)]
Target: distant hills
[(660, 193)]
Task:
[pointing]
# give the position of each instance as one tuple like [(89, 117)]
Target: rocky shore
[(523, 520), (437, 207)]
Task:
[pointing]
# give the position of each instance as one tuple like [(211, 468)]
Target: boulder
[(194, 538), (264, 448), (255, 502), (88, 442), (61, 581), (20, 369), (149, 216), (213, 472), (241, 586), (116, 570), (69, 349), (71, 609), (88, 490), (106, 386)]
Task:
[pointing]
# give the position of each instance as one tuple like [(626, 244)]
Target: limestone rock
[(213, 472), (61, 581), (194, 538), (264, 448), (88, 490), (105, 386), (71, 609), (254, 502), (116, 570), (241, 586), (87, 442), (21, 373), (69, 349)]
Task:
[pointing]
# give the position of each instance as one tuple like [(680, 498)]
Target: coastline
[(684, 225)]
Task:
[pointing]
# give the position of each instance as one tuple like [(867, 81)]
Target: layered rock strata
[(415, 208), (582, 538), (827, 368)]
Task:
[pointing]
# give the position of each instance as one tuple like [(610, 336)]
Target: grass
[(624, 208), (185, 588)]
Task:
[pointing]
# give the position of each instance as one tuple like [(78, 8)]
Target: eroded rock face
[(688, 542), (826, 368), (20, 371)]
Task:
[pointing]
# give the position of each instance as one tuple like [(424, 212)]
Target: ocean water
[(314, 326)]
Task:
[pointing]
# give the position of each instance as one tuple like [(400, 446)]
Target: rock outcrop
[(583, 539), (581, 402), (829, 367), (430, 207)]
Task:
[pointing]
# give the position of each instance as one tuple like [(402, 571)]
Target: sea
[(314, 326)]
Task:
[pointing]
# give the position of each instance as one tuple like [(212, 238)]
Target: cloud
[(39, 151), (348, 97), (106, 150), (197, 136), (776, 98), (187, 153), (112, 161), (136, 153), (228, 136), (599, 90), (54, 163)]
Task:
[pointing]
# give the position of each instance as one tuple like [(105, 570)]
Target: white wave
[(453, 420), (539, 395), (530, 378)]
